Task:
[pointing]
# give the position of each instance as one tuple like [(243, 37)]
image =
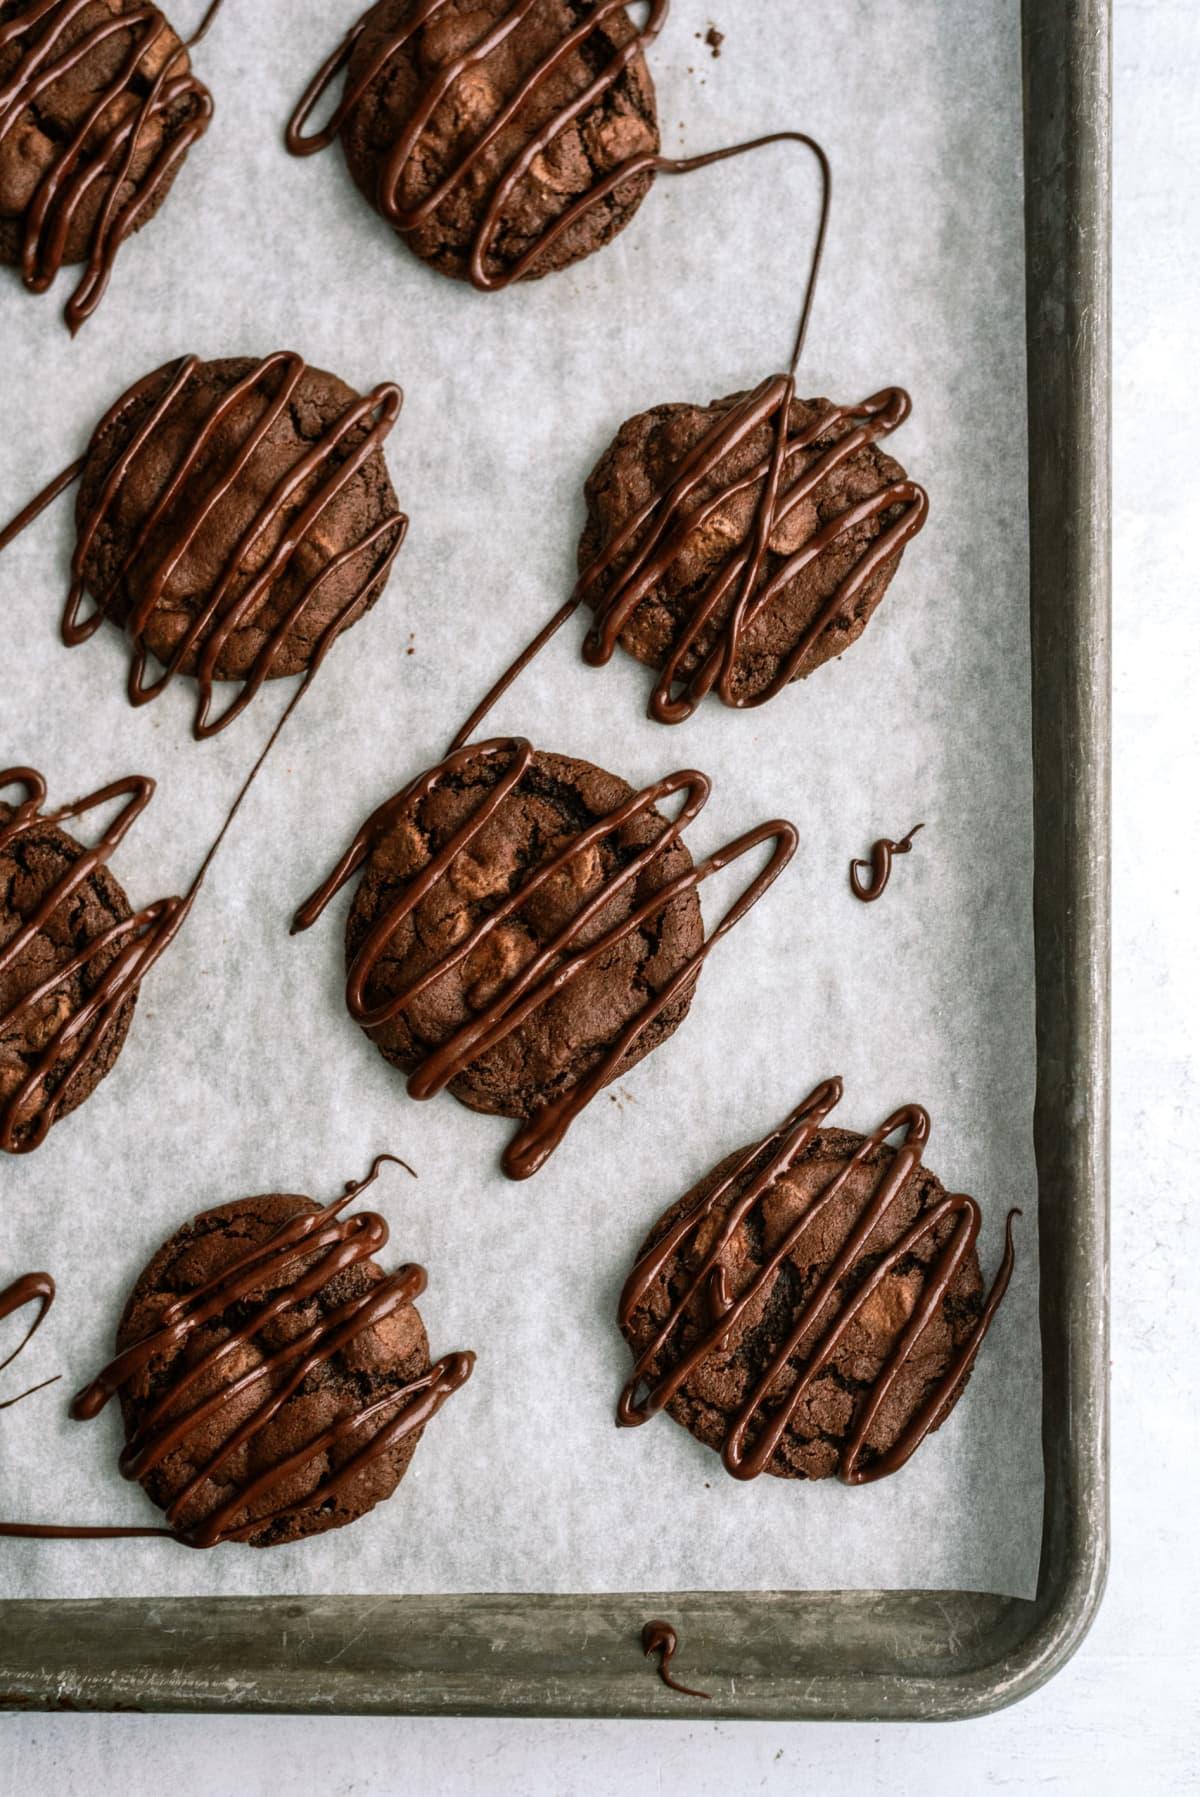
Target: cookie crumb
[(714, 39)]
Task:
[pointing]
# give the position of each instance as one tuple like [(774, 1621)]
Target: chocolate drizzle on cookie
[(226, 609), (30, 1288), (319, 1245), (560, 960), (822, 1314), (483, 272), (661, 1639), (631, 565), (148, 96), (129, 948), (879, 868)]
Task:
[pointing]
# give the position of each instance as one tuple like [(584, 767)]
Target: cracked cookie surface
[(712, 1396), (556, 800), (382, 1358), (619, 123), (367, 499), (30, 865)]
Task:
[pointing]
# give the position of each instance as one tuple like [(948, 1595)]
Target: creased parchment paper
[(243, 1073)]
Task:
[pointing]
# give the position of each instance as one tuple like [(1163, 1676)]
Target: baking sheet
[(242, 1072)]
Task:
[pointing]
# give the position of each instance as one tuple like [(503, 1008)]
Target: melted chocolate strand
[(660, 1638), (30, 1288), (212, 626), (339, 1243), (96, 151), (879, 867), (780, 1151), (560, 961), (202, 28)]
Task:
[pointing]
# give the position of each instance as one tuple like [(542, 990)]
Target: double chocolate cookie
[(738, 546), (814, 1305), (98, 108), (527, 928), (502, 139), (233, 517), (63, 1017), (274, 1381)]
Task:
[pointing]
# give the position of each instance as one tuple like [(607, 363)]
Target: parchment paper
[(243, 1073)]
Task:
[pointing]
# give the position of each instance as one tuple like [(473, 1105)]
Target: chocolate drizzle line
[(30, 1288), (660, 1638), (340, 1243), (769, 1416), (559, 961), (42, 26), (879, 867), (213, 625)]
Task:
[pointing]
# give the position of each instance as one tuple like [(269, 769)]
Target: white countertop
[(1127, 1708)]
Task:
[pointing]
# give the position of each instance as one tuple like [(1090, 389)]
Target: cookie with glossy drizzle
[(273, 1380), (233, 518), (99, 106), (815, 1305)]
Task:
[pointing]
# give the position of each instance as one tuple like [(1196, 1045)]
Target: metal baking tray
[(922, 1655)]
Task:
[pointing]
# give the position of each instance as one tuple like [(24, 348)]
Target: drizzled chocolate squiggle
[(31, 1107), (660, 1638), (780, 1392), (560, 961), (30, 1288), (338, 1243), (879, 868), (176, 103), (214, 623)]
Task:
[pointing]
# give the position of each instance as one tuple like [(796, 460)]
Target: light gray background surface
[(1123, 1715)]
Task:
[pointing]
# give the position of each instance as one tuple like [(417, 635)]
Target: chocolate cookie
[(233, 517), (47, 976), (736, 561), (814, 1305), (98, 108), (274, 1381), (527, 928), (491, 133), (556, 802)]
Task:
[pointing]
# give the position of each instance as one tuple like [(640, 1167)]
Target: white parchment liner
[(242, 1072)]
